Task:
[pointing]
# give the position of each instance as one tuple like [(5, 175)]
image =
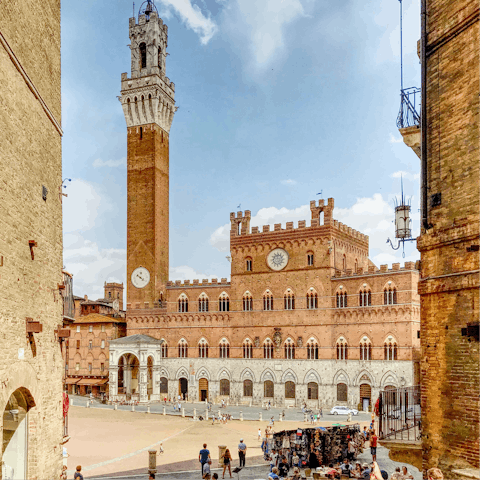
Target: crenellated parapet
[(197, 283), (373, 270), (148, 96)]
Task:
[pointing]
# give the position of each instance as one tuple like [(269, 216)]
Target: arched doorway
[(128, 366), (203, 389), (183, 387), (15, 435), (365, 396)]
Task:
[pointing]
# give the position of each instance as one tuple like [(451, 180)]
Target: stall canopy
[(71, 381), (102, 381), (88, 381)]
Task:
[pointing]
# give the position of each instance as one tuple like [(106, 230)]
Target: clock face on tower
[(140, 277), (277, 259)]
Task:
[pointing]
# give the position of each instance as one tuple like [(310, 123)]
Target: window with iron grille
[(289, 390), (249, 265), (312, 391), (224, 387), (341, 392), (268, 389), (247, 388), (310, 259), (163, 385)]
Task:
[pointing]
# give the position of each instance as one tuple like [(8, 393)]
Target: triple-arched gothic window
[(224, 348), (312, 349), (182, 348), (203, 303), (183, 303), (247, 348), (365, 349), (312, 300), (223, 303), (342, 349), (342, 299), (267, 348), (390, 349), (289, 349), (389, 296), (203, 348), (289, 300), (164, 350), (365, 298), (247, 302), (268, 301)]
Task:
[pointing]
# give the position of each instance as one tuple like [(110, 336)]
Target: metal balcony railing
[(408, 116), (400, 414)]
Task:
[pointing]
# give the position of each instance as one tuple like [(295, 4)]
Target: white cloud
[(82, 206), (184, 272), (98, 163), (372, 216), (260, 25), (193, 17), (406, 175), (394, 139), (288, 182)]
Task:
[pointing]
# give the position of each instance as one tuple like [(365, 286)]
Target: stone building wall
[(449, 284), (30, 157)]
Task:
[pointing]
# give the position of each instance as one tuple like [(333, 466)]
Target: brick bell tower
[(148, 103)]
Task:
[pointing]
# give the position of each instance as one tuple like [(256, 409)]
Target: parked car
[(340, 410)]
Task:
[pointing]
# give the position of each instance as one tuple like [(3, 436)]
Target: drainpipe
[(423, 118)]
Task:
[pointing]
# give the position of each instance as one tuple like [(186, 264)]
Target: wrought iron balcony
[(408, 116)]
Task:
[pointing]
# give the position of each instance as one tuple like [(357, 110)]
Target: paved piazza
[(115, 443)]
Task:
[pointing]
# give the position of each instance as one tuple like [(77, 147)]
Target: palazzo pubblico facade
[(306, 317)]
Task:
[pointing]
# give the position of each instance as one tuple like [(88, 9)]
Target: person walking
[(242, 451), (259, 434), (77, 475), (373, 446), (203, 456), (227, 463)]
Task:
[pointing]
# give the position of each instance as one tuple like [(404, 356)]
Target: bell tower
[(147, 99)]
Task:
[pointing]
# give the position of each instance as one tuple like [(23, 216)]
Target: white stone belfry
[(148, 96)]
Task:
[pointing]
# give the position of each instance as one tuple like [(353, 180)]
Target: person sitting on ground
[(397, 475), (357, 471), (406, 474), (366, 470), (296, 474), (227, 463), (345, 467), (206, 469), (375, 473), (332, 472)]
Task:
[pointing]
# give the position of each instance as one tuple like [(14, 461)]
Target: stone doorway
[(203, 389), (365, 396), (183, 387)]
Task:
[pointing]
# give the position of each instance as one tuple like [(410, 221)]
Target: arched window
[(342, 392), (203, 348), (312, 391), (310, 259), (268, 301), (365, 298), (289, 349), (203, 303), (247, 388), (389, 296), (365, 349), (224, 387), (267, 348), (390, 349), (342, 349), (268, 389), (312, 300), (289, 390), (182, 348), (224, 348), (248, 264), (289, 300), (247, 302), (163, 385), (247, 348), (183, 303), (223, 303), (342, 299), (143, 55), (164, 350), (312, 349), (160, 58)]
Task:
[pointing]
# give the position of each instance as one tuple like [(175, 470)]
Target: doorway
[(365, 396), (203, 388), (183, 388)]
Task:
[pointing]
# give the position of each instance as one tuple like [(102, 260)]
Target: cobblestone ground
[(112, 443)]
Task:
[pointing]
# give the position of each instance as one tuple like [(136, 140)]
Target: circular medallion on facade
[(140, 277), (277, 259)]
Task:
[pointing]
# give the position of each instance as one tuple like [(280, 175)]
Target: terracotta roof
[(97, 318), (78, 298)]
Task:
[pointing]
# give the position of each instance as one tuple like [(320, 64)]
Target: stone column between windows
[(127, 379), (113, 382)]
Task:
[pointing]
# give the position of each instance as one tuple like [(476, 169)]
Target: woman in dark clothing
[(313, 460), (227, 460)]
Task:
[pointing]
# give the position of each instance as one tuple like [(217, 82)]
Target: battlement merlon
[(383, 270), (240, 224), (321, 207)]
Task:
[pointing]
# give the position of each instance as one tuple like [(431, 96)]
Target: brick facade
[(449, 285), (30, 273)]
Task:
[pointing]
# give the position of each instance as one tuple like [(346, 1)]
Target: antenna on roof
[(401, 47)]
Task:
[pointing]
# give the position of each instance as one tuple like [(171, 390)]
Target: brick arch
[(21, 375)]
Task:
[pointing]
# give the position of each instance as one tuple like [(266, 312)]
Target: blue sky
[(279, 100)]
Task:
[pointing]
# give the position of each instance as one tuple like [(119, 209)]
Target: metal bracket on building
[(401, 242), (31, 244), (32, 326)]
